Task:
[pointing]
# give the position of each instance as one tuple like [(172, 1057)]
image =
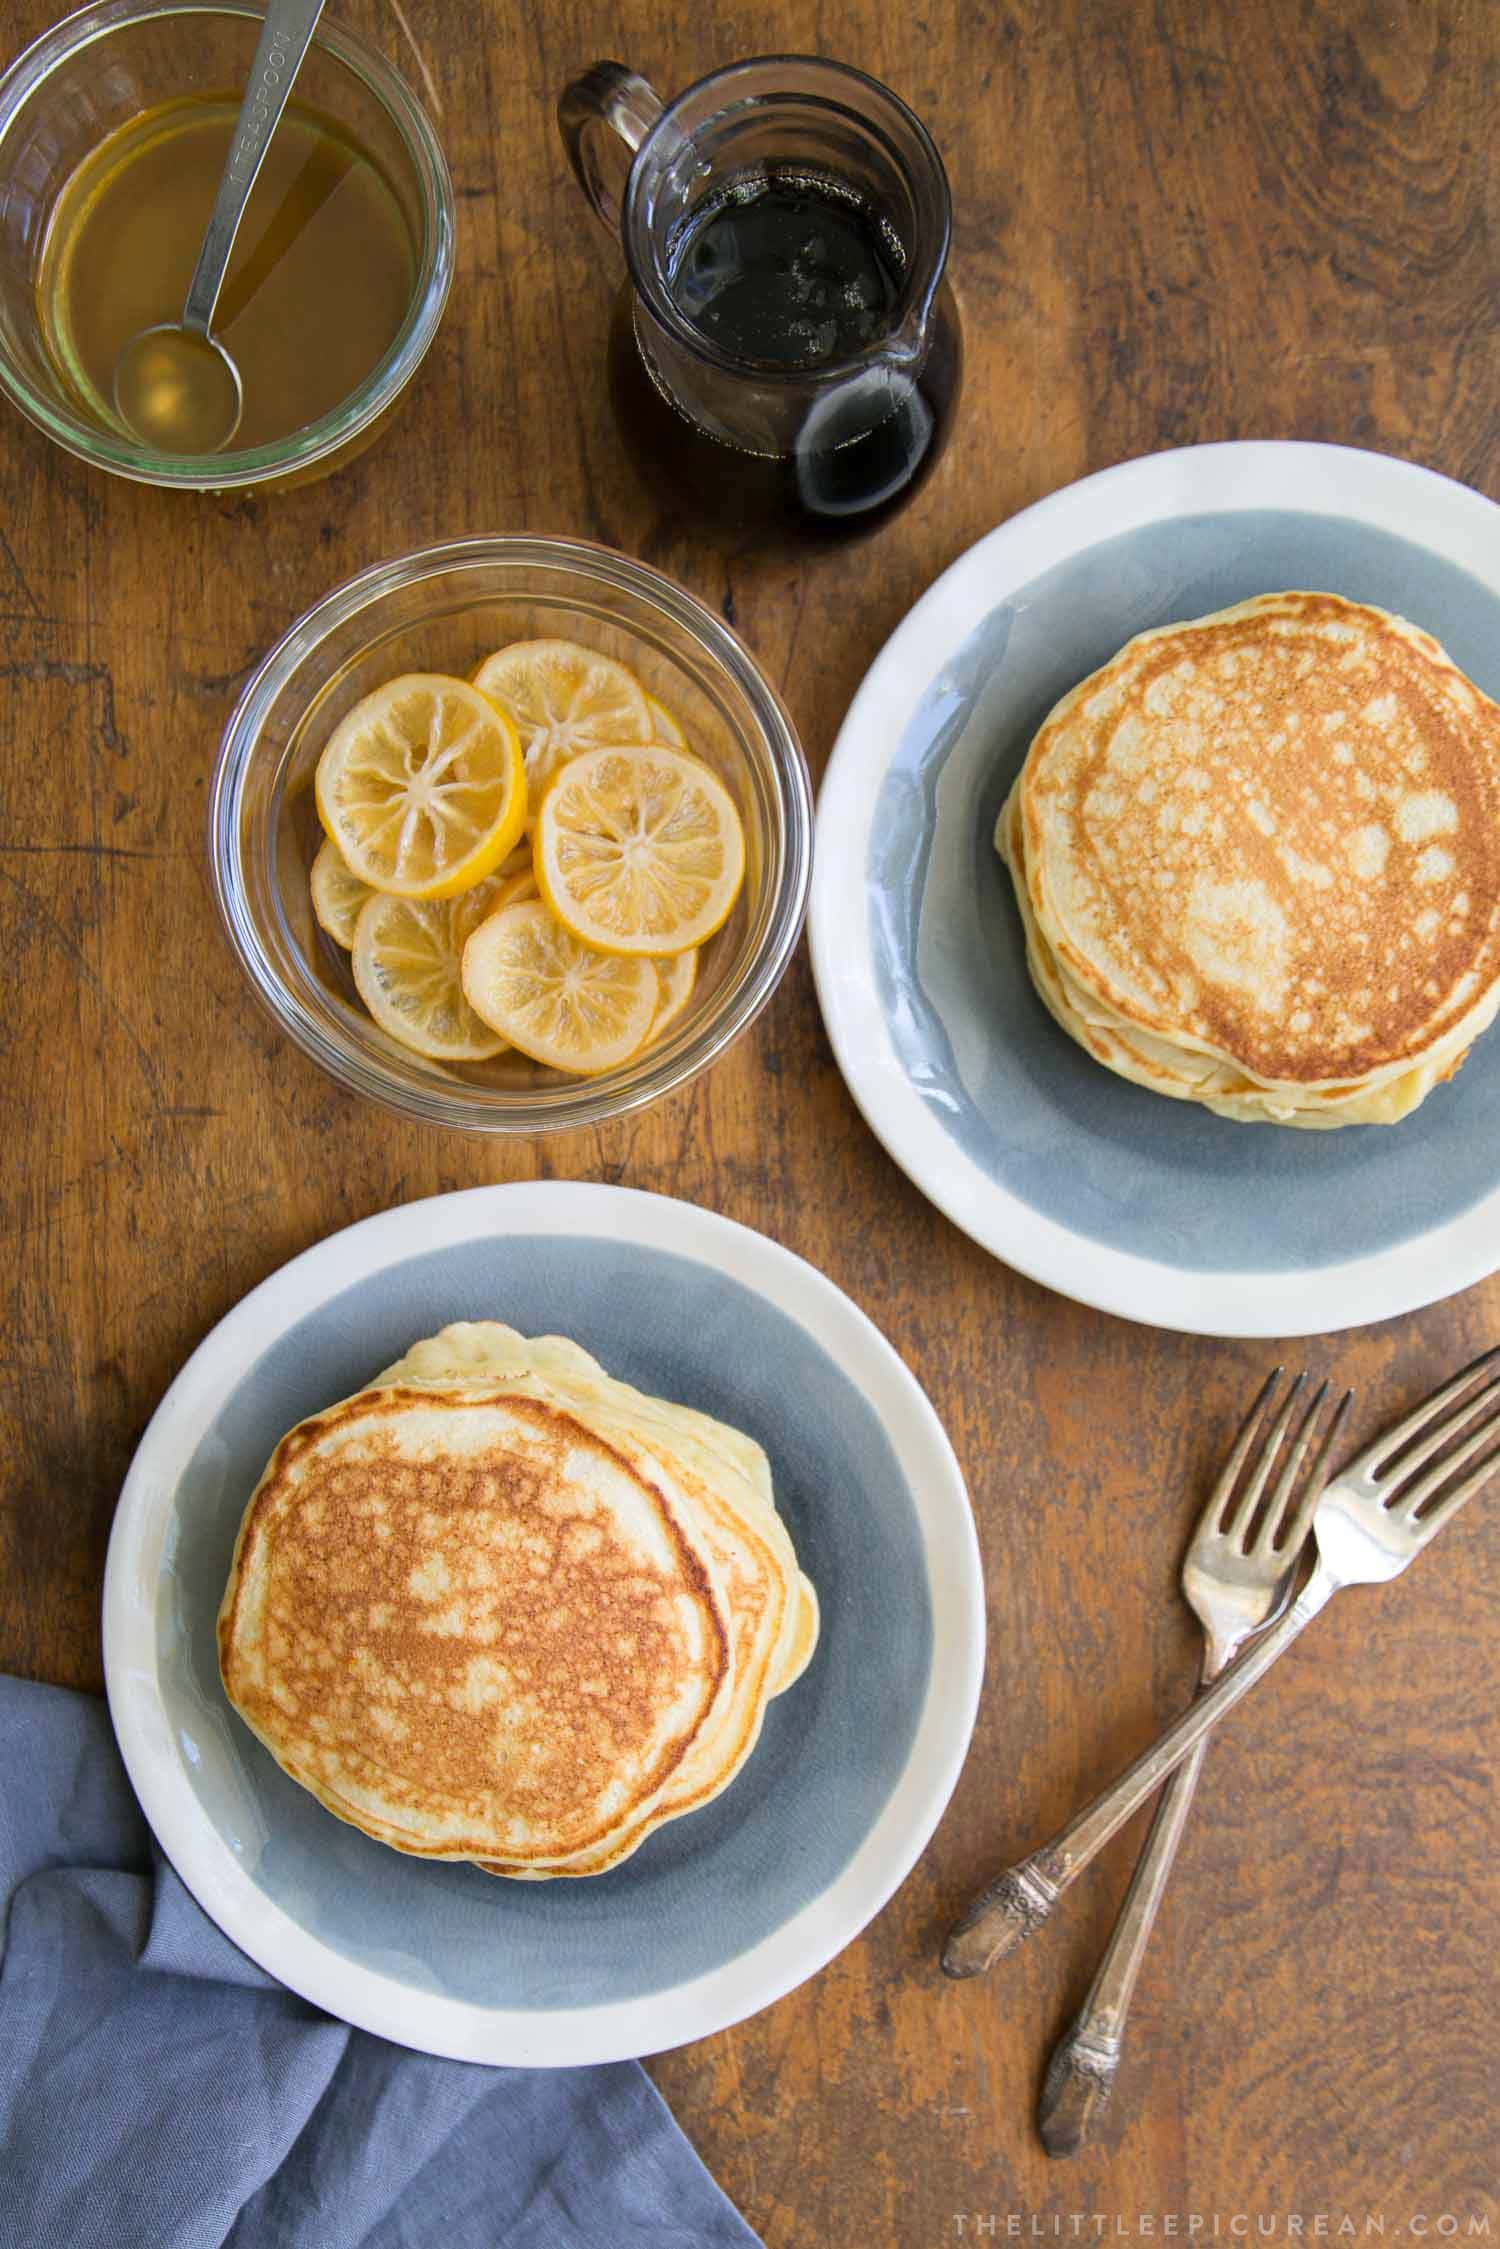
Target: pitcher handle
[(603, 107)]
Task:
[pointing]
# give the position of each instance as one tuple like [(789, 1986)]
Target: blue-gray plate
[(717, 1913), (1103, 1190)]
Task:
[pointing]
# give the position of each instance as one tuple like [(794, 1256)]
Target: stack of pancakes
[(503, 1608), (1258, 862)]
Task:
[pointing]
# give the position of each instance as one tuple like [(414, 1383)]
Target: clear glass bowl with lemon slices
[(511, 834)]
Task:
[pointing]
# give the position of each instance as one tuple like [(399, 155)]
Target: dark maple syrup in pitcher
[(791, 272)]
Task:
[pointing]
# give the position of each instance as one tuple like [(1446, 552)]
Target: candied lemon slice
[(337, 895), (422, 787), (668, 726), (470, 907), (516, 890), (406, 968), (675, 978), (558, 1001), (563, 700), (639, 850)]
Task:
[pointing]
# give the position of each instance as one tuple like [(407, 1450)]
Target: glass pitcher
[(786, 353)]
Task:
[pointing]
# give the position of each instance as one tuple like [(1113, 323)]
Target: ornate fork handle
[(1081, 2074), (1006, 1913)]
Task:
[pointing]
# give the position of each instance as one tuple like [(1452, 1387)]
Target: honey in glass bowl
[(322, 274)]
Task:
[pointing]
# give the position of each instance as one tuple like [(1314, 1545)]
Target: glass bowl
[(443, 609), (100, 68)]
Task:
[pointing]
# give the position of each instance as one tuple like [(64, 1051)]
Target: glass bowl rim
[(576, 1102), (304, 448)]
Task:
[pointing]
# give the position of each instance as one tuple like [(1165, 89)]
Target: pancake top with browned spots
[(1274, 835), (469, 1625)]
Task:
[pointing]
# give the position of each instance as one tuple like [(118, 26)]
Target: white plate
[(718, 1913), (1111, 1194)]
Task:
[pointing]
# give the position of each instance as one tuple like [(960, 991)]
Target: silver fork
[(1371, 1521), (1238, 1573)]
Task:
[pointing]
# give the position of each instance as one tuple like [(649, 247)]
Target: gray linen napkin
[(157, 2091)]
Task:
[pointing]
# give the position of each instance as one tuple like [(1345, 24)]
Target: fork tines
[(1470, 1402), (1282, 1523)]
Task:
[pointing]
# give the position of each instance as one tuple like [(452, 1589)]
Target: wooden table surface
[(1175, 222)]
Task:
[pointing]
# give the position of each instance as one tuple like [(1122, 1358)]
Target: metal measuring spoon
[(176, 386)]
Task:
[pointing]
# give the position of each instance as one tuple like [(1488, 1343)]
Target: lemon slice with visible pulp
[(517, 890), (564, 699), (337, 895), (558, 1001), (406, 968), (422, 787), (675, 978), (470, 907), (639, 850), (668, 726)]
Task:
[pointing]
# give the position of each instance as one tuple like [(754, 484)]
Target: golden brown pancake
[(1187, 1074), (700, 1466), (503, 1607), (469, 1626), (1259, 861)]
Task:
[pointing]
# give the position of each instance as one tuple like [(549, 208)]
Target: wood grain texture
[(1176, 221)]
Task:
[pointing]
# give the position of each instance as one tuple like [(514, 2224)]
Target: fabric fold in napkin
[(158, 2091)]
